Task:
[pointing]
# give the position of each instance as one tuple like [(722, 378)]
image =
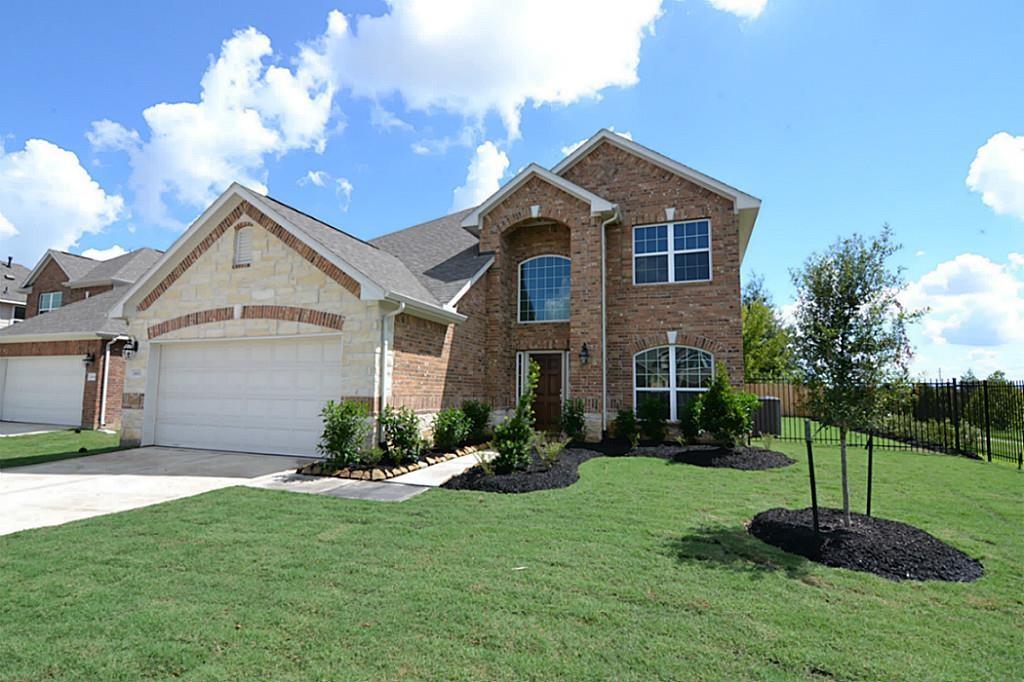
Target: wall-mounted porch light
[(89, 358), (584, 354)]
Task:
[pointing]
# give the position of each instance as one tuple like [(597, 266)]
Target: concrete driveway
[(53, 493), (23, 429)]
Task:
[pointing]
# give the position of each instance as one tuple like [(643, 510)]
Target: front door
[(547, 403)]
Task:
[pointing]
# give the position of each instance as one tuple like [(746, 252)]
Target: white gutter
[(384, 362), (106, 376), (604, 325)]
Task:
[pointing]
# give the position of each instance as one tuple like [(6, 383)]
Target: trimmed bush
[(690, 419), (624, 426), (451, 429), (513, 437), (346, 429), (401, 431), (651, 414), (573, 422), (725, 413), (548, 450), (479, 415)]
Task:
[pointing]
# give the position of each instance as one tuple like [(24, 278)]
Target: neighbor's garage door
[(247, 395), (44, 390)]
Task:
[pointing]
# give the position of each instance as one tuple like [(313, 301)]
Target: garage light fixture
[(584, 354), (89, 358)]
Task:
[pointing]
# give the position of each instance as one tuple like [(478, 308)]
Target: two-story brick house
[(618, 271), (62, 364)]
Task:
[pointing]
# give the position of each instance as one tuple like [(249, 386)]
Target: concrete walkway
[(396, 489), (53, 493)]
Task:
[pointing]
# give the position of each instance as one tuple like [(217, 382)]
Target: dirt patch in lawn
[(538, 476), (890, 549)]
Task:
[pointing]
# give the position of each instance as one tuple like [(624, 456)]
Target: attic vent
[(243, 247)]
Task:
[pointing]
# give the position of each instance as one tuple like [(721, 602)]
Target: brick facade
[(51, 278)]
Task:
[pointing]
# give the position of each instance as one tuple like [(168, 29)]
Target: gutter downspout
[(604, 325), (106, 377), (384, 363)]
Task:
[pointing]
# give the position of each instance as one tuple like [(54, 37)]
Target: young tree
[(850, 335), (766, 339)]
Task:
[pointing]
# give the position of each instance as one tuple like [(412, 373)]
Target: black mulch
[(562, 474), (740, 457), (886, 548)]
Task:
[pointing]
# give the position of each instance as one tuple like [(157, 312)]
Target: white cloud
[(318, 178), (246, 111), (972, 301), (997, 173), (49, 201), (570, 148), (483, 177), (105, 254), (919, 253), (387, 120), (745, 9), (344, 189), (1016, 260), (472, 57)]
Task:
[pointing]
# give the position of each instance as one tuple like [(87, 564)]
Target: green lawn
[(46, 447), (642, 570)]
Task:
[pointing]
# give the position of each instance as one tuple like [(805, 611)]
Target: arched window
[(544, 289), (243, 247), (673, 375)]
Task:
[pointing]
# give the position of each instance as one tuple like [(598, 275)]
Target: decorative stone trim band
[(384, 473), (245, 208), (293, 314), (191, 320), (249, 312)]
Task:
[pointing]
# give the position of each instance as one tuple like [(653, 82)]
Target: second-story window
[(676, 252), (544, 289), (51, 300), (243, 247)]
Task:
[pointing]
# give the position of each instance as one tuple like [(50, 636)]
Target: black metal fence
[(981, 419)]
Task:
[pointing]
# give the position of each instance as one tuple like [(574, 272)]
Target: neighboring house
[(62, 364), (12, 299), (618, 271)]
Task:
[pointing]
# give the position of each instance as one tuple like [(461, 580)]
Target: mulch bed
[(562, 474), (890, 549), (740, 457)]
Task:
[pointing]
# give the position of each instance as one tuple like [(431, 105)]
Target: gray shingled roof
[(377, 264), (126, 268), (72, 265), (88, 317), (442, 255), (12, 279)]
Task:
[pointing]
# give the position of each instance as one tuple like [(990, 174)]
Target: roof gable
[(71, 265), (598, 205)]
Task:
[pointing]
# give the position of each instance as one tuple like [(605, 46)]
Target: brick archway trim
[(248, 312), (244, 208), (648, 341)]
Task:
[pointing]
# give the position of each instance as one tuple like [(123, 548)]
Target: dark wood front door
[(547, 403)]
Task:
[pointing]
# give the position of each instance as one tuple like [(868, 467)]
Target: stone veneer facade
[(286, 291)]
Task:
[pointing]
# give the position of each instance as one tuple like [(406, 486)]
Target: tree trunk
[(846, 479)]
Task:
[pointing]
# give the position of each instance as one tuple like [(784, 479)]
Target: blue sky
[(840, 115)]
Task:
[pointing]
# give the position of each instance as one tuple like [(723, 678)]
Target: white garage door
[(44, 390), (247, 396)]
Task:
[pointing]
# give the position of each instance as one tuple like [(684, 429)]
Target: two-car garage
[(245, 395)]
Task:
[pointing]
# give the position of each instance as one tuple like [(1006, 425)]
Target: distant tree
[(766, 339), (1005, 403), (968, 376), (850, 336)]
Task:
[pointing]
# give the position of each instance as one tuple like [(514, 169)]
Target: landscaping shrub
[(514, 435), (479, 415), (401, 430), (725, 413), (573, 422), (625, 426), (346, 429), (690, 419), (651, 415), (371, 457), (451, 429), (548, 450)]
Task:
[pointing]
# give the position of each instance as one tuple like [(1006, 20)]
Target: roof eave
[(427, 311), (53, 336)]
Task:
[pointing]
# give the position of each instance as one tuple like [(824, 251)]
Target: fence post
[(810, 467), (956, 417), (988, 422), (871, 460)]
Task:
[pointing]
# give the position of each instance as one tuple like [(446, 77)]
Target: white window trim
[(240, 259), (670, 254), (672, 388), (519, 289), (50, 307), (522, 365)]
